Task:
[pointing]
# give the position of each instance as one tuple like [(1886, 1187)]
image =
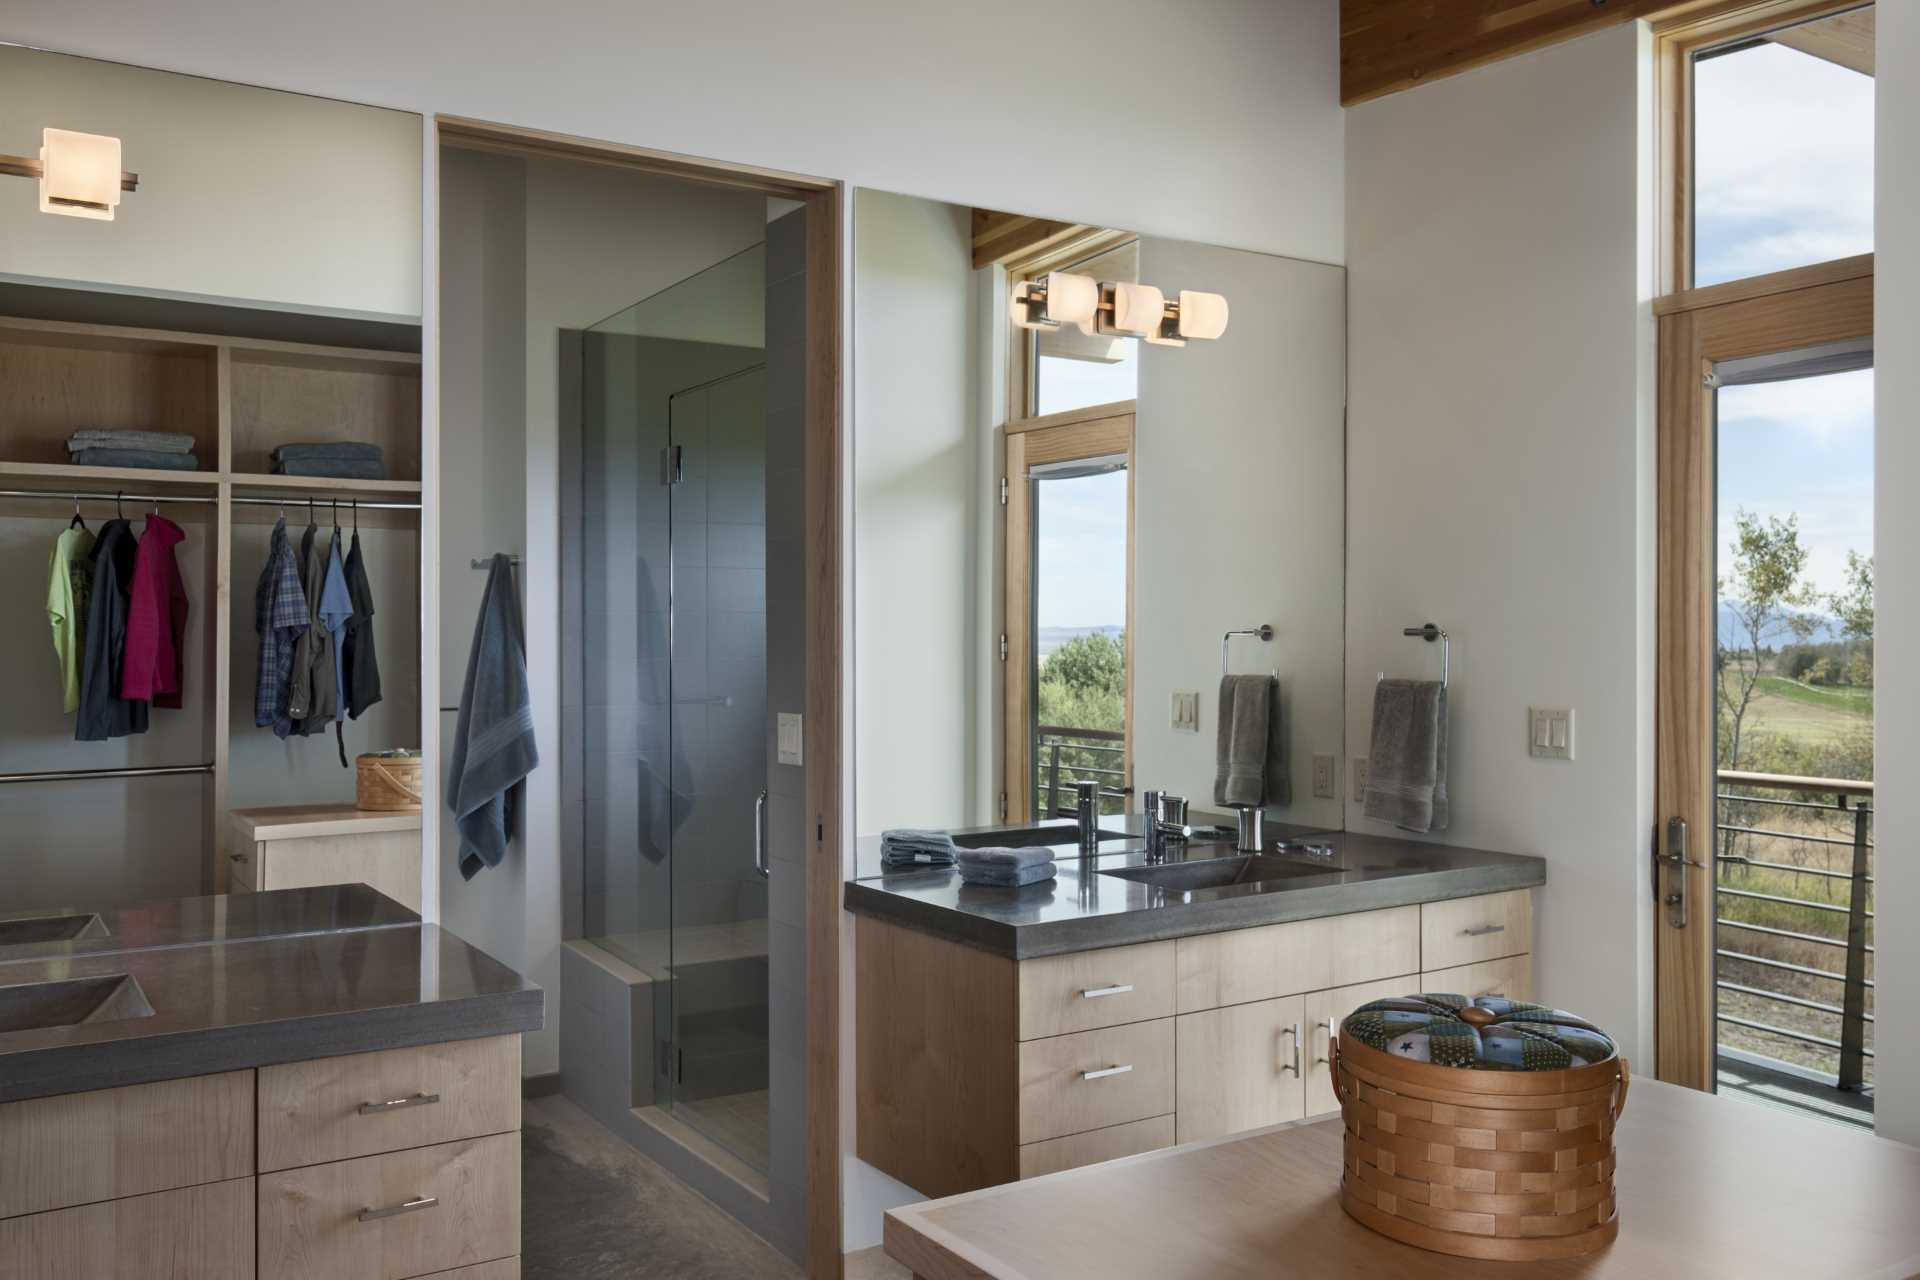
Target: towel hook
[(1264, 631), (1429, 632)]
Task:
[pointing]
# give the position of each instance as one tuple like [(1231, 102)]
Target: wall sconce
[(79, 173), (1121, 309)]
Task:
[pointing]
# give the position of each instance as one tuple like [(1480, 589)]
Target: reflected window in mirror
[(1072, 370)]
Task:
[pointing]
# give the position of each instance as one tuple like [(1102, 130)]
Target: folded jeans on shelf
[(136, 458), (329, 449), (334, 468), (116, 438)]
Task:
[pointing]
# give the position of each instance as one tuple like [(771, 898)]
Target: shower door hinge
[(1003, 646), (671, 469), (1003, 491)]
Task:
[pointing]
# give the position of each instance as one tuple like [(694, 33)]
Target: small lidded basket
[(1481, 1128)]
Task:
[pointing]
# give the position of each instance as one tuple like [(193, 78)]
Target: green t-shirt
[(69, 583)]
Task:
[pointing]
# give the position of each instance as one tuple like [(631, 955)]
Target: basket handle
[(1620, 1099), (1333, 1066)]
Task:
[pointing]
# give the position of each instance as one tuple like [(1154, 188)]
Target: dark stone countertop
[(224, 1000), (1081, 909)]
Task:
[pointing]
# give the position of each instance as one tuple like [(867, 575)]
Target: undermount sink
[(1217, 873), (36, 1006), (65, 927), (1029, 837)]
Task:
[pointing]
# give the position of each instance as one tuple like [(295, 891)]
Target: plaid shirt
[(279, 616)]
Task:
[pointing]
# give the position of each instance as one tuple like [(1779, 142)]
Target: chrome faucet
[(1087, 811), (1165, 823)]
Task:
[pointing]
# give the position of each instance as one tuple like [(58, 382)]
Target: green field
[(1808, 712)]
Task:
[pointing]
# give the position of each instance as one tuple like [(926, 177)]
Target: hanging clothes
[(336, 610), (363, 668), (310, 689), (69, 578), (103, 713), (151, 666), (279, 618)]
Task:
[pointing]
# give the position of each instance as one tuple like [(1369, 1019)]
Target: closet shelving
[(239, 398)]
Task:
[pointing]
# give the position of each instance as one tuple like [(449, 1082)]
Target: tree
[(1853, 603), (1083, 685), (1095, 661)]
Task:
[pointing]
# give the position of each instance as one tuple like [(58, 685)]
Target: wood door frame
[(1788, 310), (824, 733), (1093, 432)]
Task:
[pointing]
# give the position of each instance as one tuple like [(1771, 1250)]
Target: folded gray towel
[(1250, 744), (329, 449), (338, 468), (990, 877), (1004, 860), (117, 438), (1406, 765), (152, 458)]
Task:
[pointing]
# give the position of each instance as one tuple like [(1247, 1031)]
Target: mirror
[(1157, 497), (196, 276)]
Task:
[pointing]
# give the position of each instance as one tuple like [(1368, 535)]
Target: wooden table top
[(1708, 1187)]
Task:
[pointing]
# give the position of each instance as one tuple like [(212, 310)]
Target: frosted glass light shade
[(1202, 315), (1072, 299), (1137, 309), (79, 174)]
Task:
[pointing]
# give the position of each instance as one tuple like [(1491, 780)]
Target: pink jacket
[(150, 668)]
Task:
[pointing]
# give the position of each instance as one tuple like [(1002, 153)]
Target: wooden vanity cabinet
[(974, 1069), (397, 1164)]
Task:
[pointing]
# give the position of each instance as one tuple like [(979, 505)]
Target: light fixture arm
[(26, 167)]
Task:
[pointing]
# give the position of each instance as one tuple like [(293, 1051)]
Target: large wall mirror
[(1062, 527), (209, 324)]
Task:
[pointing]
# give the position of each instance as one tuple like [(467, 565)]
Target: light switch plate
[(1550, 733), (787, 730), (1186, 710), (1358, 773), (1323, 778)]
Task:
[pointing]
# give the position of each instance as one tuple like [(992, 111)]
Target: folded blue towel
[(995, 878), (1005, 860), (338, 468), (153, 458), (329, 449), (902, 846)]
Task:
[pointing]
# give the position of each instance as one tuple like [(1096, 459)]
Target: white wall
[(1896, 543), (915, 481), (1500, 471), (295, 202), (1242, 146), (1240, 450)]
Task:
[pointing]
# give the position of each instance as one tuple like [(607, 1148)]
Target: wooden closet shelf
[(58, 478), (325, 487)]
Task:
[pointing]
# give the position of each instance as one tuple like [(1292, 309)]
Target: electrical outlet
[(1358, 773), (1323, 778), (1550, 733), (1186, 710)]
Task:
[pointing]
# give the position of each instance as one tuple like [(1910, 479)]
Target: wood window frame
[(1093, 432)]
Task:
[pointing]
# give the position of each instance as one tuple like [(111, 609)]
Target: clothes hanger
[(78, 522), (336, 515), (356, 517), (119, 512)]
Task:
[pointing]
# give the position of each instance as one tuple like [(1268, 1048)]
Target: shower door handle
[(760, 835)]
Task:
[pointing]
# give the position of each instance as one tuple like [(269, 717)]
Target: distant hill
[(1827, 629), (1051, 638)]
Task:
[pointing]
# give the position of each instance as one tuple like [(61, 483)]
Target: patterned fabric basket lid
[(1490, 1033)]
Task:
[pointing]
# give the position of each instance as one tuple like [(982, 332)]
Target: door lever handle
[(1677, 861)]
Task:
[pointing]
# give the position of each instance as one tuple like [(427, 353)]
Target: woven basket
[(1494, 1164), (388, 783)]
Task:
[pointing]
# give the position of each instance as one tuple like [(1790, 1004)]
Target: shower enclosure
[(672, 685)]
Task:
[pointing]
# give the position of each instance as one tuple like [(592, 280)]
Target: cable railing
[(1765, 921), (1066, 755)]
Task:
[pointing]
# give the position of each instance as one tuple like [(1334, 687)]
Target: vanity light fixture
[(1057, 298), (79, 173), (1122, 309)]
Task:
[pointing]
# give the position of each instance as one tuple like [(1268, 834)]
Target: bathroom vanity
[(1126, 1005), (303, 1083)]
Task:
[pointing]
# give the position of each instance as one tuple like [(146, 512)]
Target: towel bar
[(1264, 631), (1429, 632)]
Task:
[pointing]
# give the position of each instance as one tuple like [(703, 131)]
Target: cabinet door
[(387, 860), (1325, 1010), (1240, 1067)]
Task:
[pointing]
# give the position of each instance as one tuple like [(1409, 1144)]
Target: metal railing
[(1064, 756), (1788, 800)]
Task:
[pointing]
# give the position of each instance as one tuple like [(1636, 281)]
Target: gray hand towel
[(329, 449), (120, 438), (1406, 765), (1250, 744), (1014, 879), (903, 846), (153, 459), (493, 746), (1003, 861), (338, 468)]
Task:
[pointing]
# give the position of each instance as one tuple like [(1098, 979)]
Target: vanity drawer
[(193, 1233), (1469, 930), (1093, 1079), (1089, 989), (366, 1103), (1242, 965), (81, 1147), (243, 868), (1074, 1150), (313, 1223), (1510, 976)]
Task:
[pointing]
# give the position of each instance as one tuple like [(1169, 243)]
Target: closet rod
[(64, 495), (82, 775)]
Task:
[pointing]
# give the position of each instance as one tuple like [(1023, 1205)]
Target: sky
[(1081, 578), (1784, 177)]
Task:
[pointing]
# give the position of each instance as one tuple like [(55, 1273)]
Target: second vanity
[(1130, 1005), (305, 1083)]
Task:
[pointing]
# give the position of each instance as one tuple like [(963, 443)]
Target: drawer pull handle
[(1482, 930), (1104, 1072), (1294, 1066), (1094, 993), (395, 1210), (398, 1104), (1491, 995), (236, 857), (1328, 1024)]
